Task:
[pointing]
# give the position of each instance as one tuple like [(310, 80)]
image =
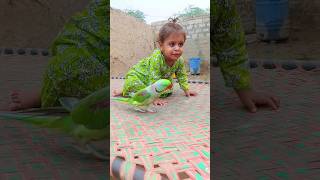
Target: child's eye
[(180, 44), (171, 44)]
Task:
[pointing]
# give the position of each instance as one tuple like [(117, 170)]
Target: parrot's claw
[(96, 153), (89, 149), (81, 148), (140, 109), (152, 110), (145, 109)]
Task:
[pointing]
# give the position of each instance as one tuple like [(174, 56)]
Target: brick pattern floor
[(176, 138)]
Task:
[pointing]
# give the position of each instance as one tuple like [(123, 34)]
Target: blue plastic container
[(195, 65), (272, 19)]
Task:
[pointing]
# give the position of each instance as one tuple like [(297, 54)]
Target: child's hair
[(171, 27)]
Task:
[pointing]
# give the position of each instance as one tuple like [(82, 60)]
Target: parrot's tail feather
[(95, 152), (40, 120), (55, 111), (121, 99), (82, 149)]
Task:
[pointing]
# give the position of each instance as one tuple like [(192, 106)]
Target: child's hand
[(159, 102), (251, 99), (190, 93)]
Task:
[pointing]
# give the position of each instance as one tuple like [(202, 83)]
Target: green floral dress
[(79, 65), (152, 68), (228, 43)]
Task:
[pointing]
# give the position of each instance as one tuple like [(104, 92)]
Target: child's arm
[(229, 45), (155, 67), (182, 77), (155, 75)]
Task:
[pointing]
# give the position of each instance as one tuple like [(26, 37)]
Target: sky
[(157, 10)]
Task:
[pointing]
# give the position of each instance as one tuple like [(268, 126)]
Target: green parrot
[(144, 97), (86, 120)]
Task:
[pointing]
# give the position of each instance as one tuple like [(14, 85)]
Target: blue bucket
[(194, 65), (272, 19)]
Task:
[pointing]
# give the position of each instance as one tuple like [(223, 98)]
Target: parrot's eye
[(157, 90)]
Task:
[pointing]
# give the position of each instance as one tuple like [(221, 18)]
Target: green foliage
[(137, 14), (192, 11)]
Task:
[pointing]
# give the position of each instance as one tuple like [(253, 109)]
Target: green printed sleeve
[(182, 75), (228, 42)]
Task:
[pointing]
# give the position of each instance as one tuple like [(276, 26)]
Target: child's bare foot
[(23, 100), (116, 93)]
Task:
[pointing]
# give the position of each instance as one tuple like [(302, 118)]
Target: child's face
[(172, 47)]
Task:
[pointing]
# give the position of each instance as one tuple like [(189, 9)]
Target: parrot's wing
[(121, 99), (69, 102), (93, 110), (141, 96), (130, 101)]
